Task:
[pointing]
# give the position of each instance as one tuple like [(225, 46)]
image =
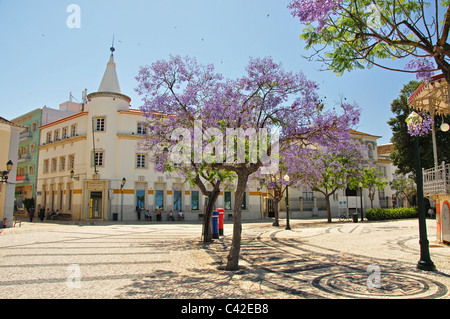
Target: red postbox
[(221, 211)]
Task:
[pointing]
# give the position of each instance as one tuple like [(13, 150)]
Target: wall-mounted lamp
[(4, 174), (72, 176)]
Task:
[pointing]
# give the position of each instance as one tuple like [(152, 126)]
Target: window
[(69, 199), (227, 200), (56, 134), (49, 137), (54, 163), (370, 150), (34, 127), (100, 124), (21, 171), (141, 129), (33, 148), (46, 166), (159, 199), (308, 195), (381, 194), (176, 200), (98, 158), (71, 162), (73, 130), (244, 201), (194, 200), (61, 197), (62, 163), (31, 170), (64, 133), (140, 160)]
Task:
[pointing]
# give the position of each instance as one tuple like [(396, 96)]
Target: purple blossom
[(419, 124), (179, 91), (313, 10), (423, 66)]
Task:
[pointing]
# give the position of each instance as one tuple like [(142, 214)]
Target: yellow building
[(9, 144)]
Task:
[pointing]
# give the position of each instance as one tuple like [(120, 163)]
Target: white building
[(107, 124), (99, 146), (305, 203)]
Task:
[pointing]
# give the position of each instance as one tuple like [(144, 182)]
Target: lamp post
[(416, 128), (4, 174), (286, 179), (124, 180), (361, 200), (425, 262)]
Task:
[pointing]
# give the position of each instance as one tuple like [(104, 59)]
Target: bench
[(63, 216)]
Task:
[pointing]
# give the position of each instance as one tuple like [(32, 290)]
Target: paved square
[(166, 260)]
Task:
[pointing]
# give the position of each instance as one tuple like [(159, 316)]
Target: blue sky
[(42, 60)]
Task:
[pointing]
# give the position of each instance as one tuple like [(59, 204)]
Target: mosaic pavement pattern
[(313, 261)]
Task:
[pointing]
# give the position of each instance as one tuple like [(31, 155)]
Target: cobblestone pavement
[(167, 260)]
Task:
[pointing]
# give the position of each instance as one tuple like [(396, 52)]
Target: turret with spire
[(109, 86), (110, 82)]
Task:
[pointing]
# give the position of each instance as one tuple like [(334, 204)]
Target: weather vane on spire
[(112, 47)]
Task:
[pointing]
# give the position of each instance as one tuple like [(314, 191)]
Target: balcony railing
[(436, 180), (25, 135)]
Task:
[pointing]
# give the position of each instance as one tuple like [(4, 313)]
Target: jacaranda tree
[(352, 34), (235, 125)]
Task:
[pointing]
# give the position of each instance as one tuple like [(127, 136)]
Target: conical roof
[(110, 82)]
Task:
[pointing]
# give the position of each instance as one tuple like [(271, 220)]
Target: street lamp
[(415, 122), (425, 262), (4, 174), (360, 197), (286, 179), (124, 180), (72, 176)]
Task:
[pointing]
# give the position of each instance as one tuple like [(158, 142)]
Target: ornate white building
[(85, 158), (90, 167)]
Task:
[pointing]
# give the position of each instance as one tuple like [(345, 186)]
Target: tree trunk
[(444, 66), (233, 256), (327, 200), (276, 211), (207, 231)]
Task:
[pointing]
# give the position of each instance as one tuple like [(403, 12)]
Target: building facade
[(90, 165), (9, 144), (305, 203), (28, 154)]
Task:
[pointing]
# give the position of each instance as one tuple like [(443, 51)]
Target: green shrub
[(390, 213)]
